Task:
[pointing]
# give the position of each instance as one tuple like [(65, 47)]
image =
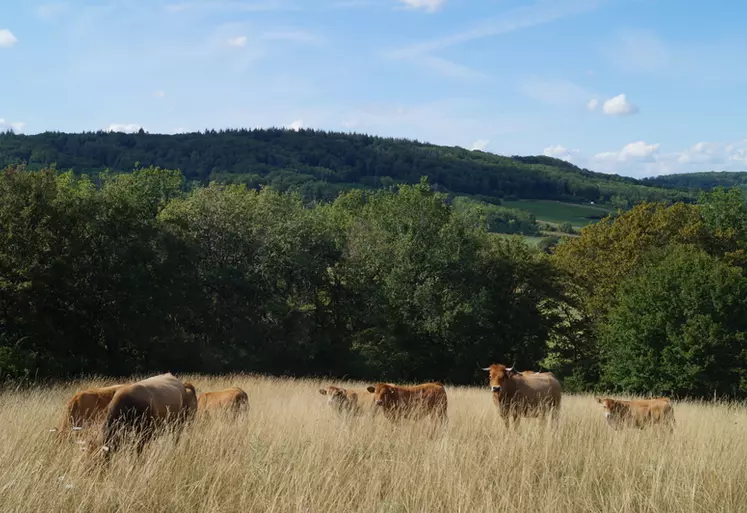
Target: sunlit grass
[(291, 452)]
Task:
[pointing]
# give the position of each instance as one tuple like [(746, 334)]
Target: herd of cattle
[(143, 407)]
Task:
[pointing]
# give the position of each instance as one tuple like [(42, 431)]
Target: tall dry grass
[(291, 453)]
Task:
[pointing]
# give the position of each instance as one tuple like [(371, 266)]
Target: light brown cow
[(349, 400), (638, 413), (527, 394), (232, 399), (85, 408), (145, 406), (417, 401)]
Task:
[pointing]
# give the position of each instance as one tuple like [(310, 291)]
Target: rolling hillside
[(699, 181), (319, 164)]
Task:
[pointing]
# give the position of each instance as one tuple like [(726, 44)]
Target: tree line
[(319, 164), (143, 272)]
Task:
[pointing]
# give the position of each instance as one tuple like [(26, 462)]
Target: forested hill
[(696, 181), (319, 164)]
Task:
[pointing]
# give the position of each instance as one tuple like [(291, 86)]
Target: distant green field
[(558, 212)]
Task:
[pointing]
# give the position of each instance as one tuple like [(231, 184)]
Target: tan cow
[(349, 400), (417, 401), (527, 394), (638, 413), (85, 408), (232, 399), (145, 406)]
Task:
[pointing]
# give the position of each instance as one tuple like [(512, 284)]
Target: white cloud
[(561, 152), (636, 150), (7, 39), (619, 106), (51, 11), (426, 5), (480, 144), (126, 128), (16, 126), (160, 93), (593, 104), (296, 125), (237, 41)]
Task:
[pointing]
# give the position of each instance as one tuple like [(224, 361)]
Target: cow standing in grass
[(350, 401), (234, 400), (417, 401), (85, 408), (530, 394), (638, 413), (143, 407)]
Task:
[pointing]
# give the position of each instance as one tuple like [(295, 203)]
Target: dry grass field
[(291, 453)]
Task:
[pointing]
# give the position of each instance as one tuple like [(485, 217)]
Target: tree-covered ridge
[(699, 181), (320, 164)]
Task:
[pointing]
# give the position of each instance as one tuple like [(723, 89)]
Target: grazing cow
[(638, 413), (145, 406), (231, 399), (528, 394), (86, 407), (417, 401), (348, 400)]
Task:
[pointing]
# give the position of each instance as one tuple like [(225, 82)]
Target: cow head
[(499, 375), (613, 410), (335, 396), (385, 396)]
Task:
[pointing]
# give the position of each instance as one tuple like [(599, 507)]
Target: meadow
[(291, 453), (558, 212)]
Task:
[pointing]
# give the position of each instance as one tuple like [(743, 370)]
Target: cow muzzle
[(495, 388), (379, 402)]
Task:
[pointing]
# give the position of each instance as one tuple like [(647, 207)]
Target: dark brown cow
[(231, 399), (417, 401), (85, 408), (145, 406), (638, 413), (349, 400), (527, 394)]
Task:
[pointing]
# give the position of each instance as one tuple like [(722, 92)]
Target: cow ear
[(371, 389), (599, 400), (322, 391)]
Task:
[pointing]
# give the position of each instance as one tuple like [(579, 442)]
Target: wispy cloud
[(225, 6), (480, 144), (554, 91), (292, 35), (426, 5), (51, 11), (237, 41), (451, 69), (7, 39), (539, 13)]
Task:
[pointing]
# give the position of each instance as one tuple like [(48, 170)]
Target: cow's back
[(427, 397), (538, 389), (87, 405)]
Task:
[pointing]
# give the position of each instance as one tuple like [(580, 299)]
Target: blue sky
[(636, 87)]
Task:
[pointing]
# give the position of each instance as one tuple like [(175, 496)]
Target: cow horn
[(485, 368)]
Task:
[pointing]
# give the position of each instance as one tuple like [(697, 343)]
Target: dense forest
[(699, 181), (137, 272), (318, 164)]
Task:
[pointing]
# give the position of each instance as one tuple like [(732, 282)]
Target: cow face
[(335, 396), (613, 410), (385, 396), (499, 375)]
